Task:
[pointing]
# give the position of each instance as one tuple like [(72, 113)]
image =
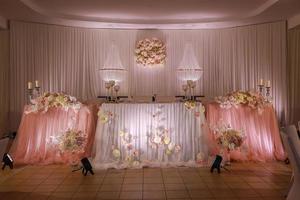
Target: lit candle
[(261, 82), (37, 83), (268, 83), (29, 85)]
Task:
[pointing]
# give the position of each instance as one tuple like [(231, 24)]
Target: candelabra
[(33, 92), (116, 89), (111, 87), (189, 90), (265, 89)]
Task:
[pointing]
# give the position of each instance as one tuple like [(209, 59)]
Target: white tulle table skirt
[(150, 134)]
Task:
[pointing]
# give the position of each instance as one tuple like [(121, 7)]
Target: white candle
[(29, 84), (268, 83), (37, 83), (261, 82)]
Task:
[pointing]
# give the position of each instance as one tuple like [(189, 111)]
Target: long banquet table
[(33, 142), (149, 134), (262, 141)]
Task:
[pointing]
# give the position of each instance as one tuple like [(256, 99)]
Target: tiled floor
[(244, 181)]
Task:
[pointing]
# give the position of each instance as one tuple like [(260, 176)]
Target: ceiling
[(149, 14)]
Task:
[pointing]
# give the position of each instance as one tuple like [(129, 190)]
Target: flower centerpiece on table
[(49, 100), (227, 138), (190, 104), (150, 52), (72, 141), (248, 98)]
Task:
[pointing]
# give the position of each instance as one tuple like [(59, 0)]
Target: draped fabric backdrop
[(4, 81), (67, 58), (294, 75)]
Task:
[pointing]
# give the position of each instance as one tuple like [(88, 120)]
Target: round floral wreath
[(150, 52)]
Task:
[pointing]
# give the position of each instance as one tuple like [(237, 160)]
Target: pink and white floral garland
[(249, 98), (49, 100), (150, 52)]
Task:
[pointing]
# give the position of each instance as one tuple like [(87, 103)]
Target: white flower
[(171, 146), (167, 139), (157, 139), (116, 153)]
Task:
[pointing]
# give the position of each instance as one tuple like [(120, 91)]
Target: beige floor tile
[(108, 195), (133, 180), (90, 194), (251, 179), (238, 185), (132, 187), (88, 188), (110, 187), (154, 195), (221, 185), (218, 193), (177, 194), (35, 196), (67, 188), (200, 194), (270, 193), (175, 186), (152, 180), (45, 188), (61, 195), (153, 187), (193, 186), (243, 193), (173, 180), (260, 185), (131, 195), (113, 180)]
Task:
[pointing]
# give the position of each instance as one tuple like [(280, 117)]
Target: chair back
[(291, 151), (291, 131)]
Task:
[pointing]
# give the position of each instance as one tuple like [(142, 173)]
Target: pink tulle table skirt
[(36, 131), (262, 143)]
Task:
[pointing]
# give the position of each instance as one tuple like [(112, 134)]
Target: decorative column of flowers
[(228, 138), (150, 52), (159, 138)]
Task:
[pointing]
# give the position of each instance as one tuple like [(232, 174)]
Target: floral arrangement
[(132, 155), (150, 52), (227, 137), (252, 99), (49, 100), (72, 141), (190, 104), (105, 116), (160, 137)]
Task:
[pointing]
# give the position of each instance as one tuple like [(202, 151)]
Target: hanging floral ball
[(150, 52)]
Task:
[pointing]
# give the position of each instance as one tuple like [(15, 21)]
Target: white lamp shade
[(189, 67), (189, 74), (113, 68)]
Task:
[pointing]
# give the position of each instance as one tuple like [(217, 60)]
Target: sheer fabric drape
[(294, 75), (4, 81), (66, 59)]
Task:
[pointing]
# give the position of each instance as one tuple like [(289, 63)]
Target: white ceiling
[(150, 14)]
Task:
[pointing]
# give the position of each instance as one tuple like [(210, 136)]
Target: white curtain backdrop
[(66, 59), (4, 81), (294, 75)]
